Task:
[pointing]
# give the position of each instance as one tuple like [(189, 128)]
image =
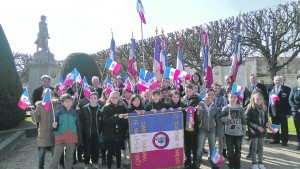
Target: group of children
[(104, 121)]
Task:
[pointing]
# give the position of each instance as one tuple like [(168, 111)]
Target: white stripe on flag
[(144, 141)]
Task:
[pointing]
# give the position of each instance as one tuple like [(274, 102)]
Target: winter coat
[(208, 120), (85, 116), (45, 136), (68, 129), (114, 127), (253, 122)]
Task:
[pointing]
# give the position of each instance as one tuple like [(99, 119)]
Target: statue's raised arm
[(43, 36)]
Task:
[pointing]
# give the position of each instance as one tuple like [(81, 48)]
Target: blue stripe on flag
[(144, 122), (167, 72), (108, 63)]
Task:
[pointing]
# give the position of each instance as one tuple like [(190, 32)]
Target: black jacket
[(252, 118), (294, 99), (86, 120), (282, 106), (37, 94), (114, 127), (158, 106)]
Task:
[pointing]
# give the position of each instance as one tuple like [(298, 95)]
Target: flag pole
[(143, 44), (52, 107)]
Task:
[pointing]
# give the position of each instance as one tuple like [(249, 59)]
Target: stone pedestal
[(43, 64)]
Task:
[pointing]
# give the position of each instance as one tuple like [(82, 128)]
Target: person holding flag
[(44, 116), (258, 121)]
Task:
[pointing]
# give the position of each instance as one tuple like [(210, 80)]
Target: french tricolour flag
[(236, 57), (202, 94), (156, 59), (171, 73), (179, 64), (47, 100), (152, 83), (274, 128), (143, 79), (185, 75), (113, 66), (132, 66), (112, 54), (62, 86), (239, 91), (273, 98), (140, 10), (109, 86), (86, 88), (24, 101), (163, 57), (156, 141), (216, 158), (207, 62), (72, 77)]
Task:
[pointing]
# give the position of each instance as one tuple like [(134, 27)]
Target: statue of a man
[(43, 36)]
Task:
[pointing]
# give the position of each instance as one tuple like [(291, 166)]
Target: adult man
[(254, 85), (294, 101), (281, 110), (96, 85), (37, 93)]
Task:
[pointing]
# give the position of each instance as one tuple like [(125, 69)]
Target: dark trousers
[(113, 147), (91, 149), (79, 152), (284, 136), (297, 125), (234, 145), (190, 144)]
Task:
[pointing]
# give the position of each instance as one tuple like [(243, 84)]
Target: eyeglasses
[(115, 97)]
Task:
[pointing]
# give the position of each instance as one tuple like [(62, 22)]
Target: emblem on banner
[(161, 140)]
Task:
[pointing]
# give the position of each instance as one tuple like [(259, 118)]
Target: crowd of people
[(79, 129)]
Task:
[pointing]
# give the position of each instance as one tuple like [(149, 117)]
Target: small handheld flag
[(171, 73), (273, 99), (110, 86), (113, 66), (239, 91), (24, 101), (47, 100), (62, 86), (86, 88), (274, 128), (216, 158), (202, 94)]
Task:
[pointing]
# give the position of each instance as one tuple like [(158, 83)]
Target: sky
[(85, 26)]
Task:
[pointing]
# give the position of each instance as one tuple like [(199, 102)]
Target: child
[(164, 94), (68, 132), (92, 127), (257, 121), (234, 118), (114, 118), (208, 124), (175, 101), (45, 138), (220, 101), (155, 103), (135, 105)]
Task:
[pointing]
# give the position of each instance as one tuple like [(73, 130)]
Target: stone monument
[(44, 62)]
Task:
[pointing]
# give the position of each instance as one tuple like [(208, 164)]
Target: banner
[(156, 140)]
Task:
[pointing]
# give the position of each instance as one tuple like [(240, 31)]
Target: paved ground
[(275, 157)]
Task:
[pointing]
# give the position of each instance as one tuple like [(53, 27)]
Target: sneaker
[(95, 166), (255, 166), (261, 166)]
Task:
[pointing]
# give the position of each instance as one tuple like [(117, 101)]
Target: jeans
[(234, 145), (202, 135), (41, 154), (59, 148), (257, 146)]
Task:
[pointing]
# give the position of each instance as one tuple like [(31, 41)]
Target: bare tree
[(22, 61), (273, 32)]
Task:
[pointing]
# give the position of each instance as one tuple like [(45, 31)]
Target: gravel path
[(275, 157)]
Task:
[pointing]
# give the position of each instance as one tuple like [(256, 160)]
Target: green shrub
[(10, 87), (84, 63)]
